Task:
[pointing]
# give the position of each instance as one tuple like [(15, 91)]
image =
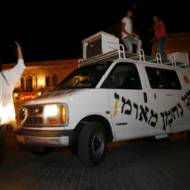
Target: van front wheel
[(92, 144)]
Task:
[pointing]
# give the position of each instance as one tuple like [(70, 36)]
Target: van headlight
[(55, 114), (51, 110)]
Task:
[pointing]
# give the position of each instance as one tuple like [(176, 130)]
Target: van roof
[(131, 57)]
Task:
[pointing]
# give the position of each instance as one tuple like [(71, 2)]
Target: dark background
[(54, 30)]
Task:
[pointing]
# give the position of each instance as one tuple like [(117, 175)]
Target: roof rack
[(122, 54), (106, 47), (180, 59), (110, 56)]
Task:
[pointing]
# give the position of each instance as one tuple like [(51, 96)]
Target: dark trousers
[(161, 47)]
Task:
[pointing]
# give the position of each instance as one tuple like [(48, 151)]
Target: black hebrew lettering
[(186, 99), (183, 98), (181, 109), (169, 117), (143, 113), (188, 93), (126, 103), (153, 119), (149, 116), (175, 110), (163, 119), (136, 107)]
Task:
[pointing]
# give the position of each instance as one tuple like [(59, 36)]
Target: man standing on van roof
[(161, 36), (128, 36)]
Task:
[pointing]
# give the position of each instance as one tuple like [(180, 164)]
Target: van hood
[(55, 96), (58, 93)]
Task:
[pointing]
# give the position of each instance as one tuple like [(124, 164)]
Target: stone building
[(178, 42), (41, 76)]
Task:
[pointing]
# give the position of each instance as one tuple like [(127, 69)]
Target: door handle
[(168, 94)]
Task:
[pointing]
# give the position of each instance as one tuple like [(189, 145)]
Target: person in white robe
[(8, 81)]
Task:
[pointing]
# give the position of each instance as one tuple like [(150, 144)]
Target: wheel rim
[(98, 145)]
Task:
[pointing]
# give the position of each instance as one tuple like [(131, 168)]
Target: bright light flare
[(16, 95), (51, 110), (7, 113)]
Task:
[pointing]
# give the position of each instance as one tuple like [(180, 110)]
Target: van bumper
[(51, 138)]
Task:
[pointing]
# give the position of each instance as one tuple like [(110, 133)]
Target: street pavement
[(139, 165)]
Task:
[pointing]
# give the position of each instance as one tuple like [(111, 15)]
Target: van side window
[(123, 76), (162, 78)]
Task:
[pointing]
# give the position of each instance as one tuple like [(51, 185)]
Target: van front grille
[(34, 121), (34, 116)]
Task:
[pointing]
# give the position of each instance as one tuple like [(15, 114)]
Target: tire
[(41, 151), (92, 144)]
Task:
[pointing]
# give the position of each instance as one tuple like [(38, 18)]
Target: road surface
[(142, 165)]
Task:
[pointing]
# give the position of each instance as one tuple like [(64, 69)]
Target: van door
[(164, 93), (129, 115)]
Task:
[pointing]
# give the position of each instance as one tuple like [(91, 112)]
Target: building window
[(48, 81), (22, 86), (55, 79), (29, 84)]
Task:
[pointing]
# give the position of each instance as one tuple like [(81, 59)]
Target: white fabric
[(128, 26), (7, 110)]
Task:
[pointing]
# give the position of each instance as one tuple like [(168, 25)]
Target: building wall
[(40, 70), (178, 42), (42, 73), (41, 76)]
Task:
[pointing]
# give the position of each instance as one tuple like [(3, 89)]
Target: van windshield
[(83, 77)]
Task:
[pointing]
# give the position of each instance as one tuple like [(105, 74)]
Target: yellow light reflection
[(15, 95), (41, 81)]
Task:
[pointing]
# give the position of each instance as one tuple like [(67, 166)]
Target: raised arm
[(19, 51), (13, 75)]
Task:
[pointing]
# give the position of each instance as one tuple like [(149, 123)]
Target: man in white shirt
[(128, 36), (8, 80)]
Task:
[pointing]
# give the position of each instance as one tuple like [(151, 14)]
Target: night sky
[(54, 30)]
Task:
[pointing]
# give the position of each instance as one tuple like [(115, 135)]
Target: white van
[(112, 96)]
